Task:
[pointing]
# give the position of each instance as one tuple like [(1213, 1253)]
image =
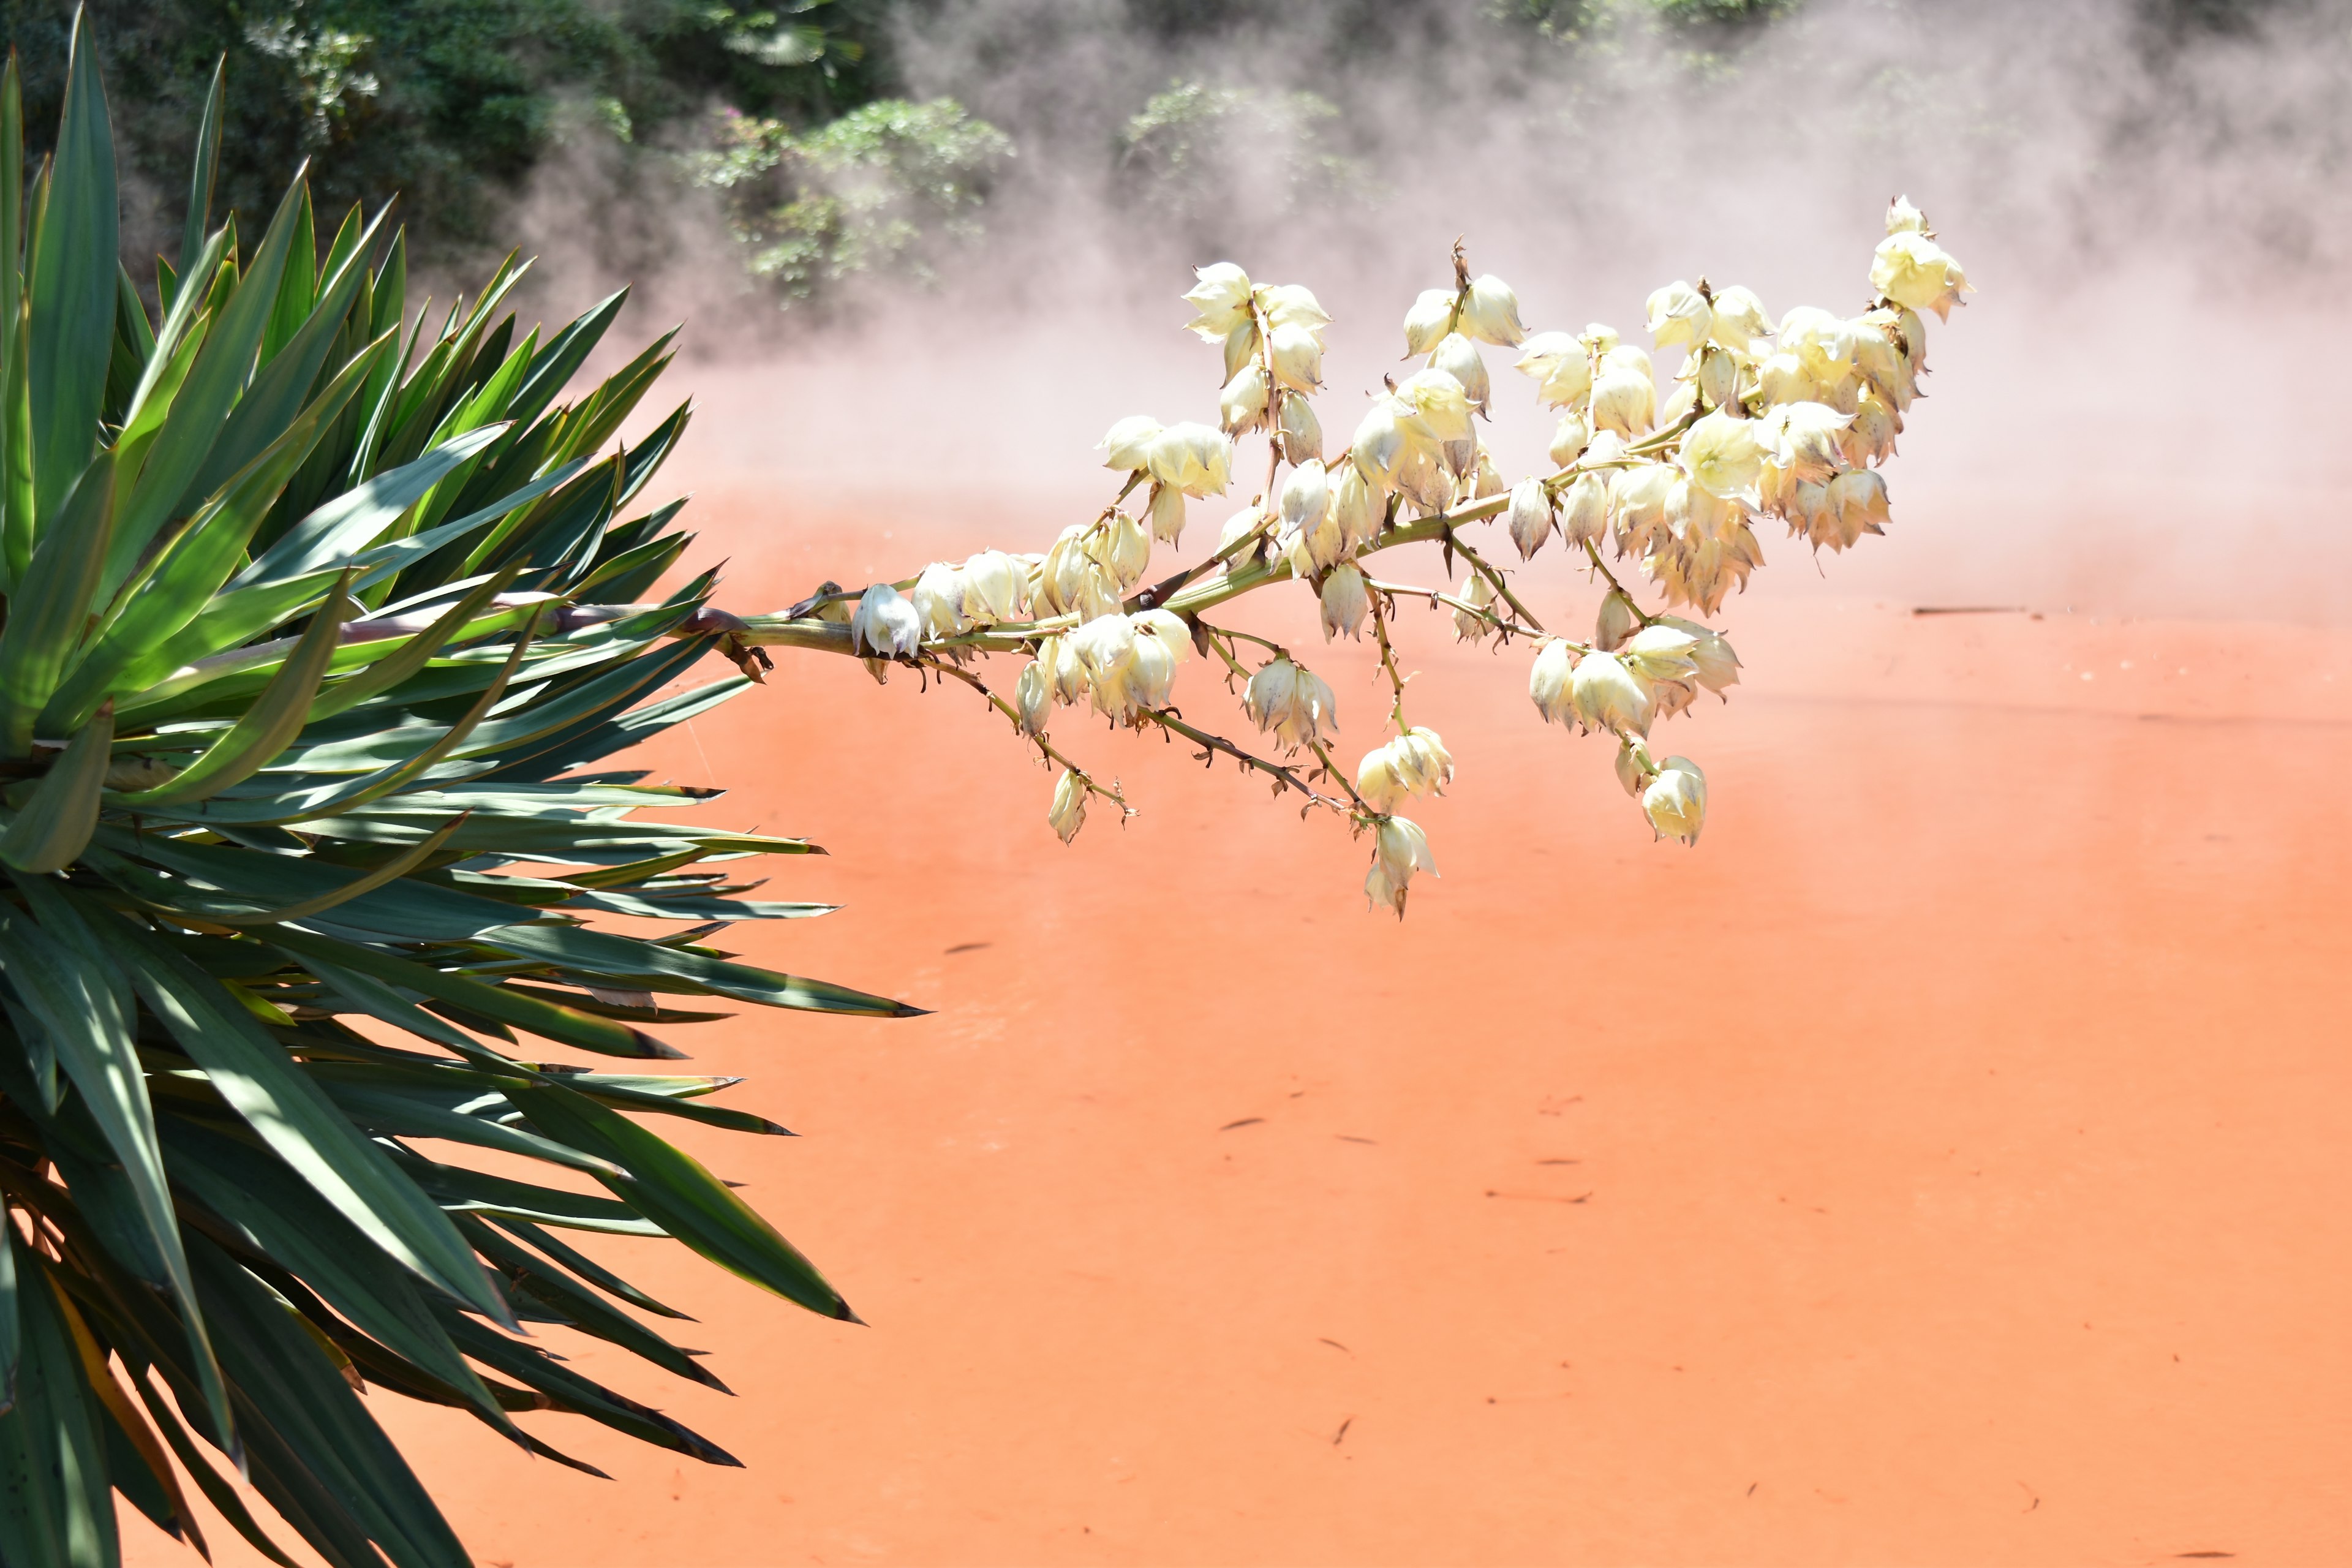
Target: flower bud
[(885, 626), (1680, 314), (1222, 297), (1297, 359), (1634, 767), (1561, 366), (938, 598), (1479, 594), (1584, 513), (1491, 312), (1568, 442), (1429, 319), (1617, 621), (1458, 357), (1130, 442), (1291, 702), (1607, 695), (1243, 402), (1415, 764), (1548, 683), (1302, 432), (1167, 513), (1529, 516), (1675, 801), (1739, 320), (1345, 601), (1069, 813)]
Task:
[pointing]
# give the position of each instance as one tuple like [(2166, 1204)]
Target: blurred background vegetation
[(791, 121)]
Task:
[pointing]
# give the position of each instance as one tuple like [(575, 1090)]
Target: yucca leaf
[(587, 1268), (54, 1507), (297, 285), (143, 1473), (672, 1189), (540, 1282), (48, 611), (583, 1396), (207, 396), (200, 180), (578, 949), (356, 518), (16, 530), (70, 283), (267, 728), (55, 824), (553, 367), (300, 1125), (11, 1317), (479, 1192), (217, 1492)]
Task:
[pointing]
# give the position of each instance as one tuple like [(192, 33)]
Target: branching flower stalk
[(1792, 422)]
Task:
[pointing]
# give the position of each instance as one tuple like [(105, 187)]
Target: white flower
[(1675, 801), (1292, 305), (1356, 507), (1032, 697), (1723, 455), (1291, 702), (1069, 813), (1379, 444), (1491, 312), (1241, 347), (996, 587), (1859, 502), (1529, 516), (1151, 678), (1607, 695), (1222, 297), (1616, 622), (1715, 665), (1599, 338), (1440, 409), (1882, 363), (1193, 457), (1661, 653), (1244, 399), (1568, 442), (1345, 601), (1302, 432), (1871, 437), (1902, 217), (1548, 683), (1130, 442), (885, 626), (1429, 319), (1624, 400), (1105, 647), (1399, 849), (1240, 526), (1802, 438), (1485, 479), (1584, 513), (1306, 496), (1415, 764), (1823, 342), (937, 597), (1298, 358), (1634, 767), (1167, 513), (1720, 371), (1121, 547), (1458, 357), (1561, 366), (1739, 320), (1061, 669), (1680, 314), (1479, 594), (1637, 502)]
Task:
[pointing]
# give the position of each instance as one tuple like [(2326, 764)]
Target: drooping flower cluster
[(1792, 420)]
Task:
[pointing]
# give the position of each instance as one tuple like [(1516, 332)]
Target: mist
[(2136, 414)]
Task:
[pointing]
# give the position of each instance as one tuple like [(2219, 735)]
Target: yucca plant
[(301, 657)]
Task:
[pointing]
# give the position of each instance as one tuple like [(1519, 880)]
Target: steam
[(2138, 413)]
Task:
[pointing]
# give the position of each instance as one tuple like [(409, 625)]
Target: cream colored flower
[(1399, 850), (1222, 299), (1675, 801), (1105, 647), (1859, 500), (1607, 695), (1722, 456), (1068, 812), (1356, 507), (1624, 400), (1549, 682), (1915, 271), (1719, 374), (1457, 356), (1569, 441), (1529, 517), (1298, 358), (1584, 512), (1415, 764), (1803, 439), (1305, 498), (1491, 312), (1661, 653), (1241, 348), (1345, 601), (1561, 366), (1715, 665), (1902, 217), (1250, 519), (995, 588), (1243, 402), (1440, 408), (1130, 442), (1635, 768), (1679, 314), (1292, 305), (1152, 676), (1195, 458), (1302, 432), (1617, 621), (1290, 703), (1870, 438), (1739, 320), (1469, 625), (1599, 338), (1032, 697), (937, 596), (1637, 504), (1431, 318), (885, 626), (1379, 446), (1167, 513), (1823, 342)]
